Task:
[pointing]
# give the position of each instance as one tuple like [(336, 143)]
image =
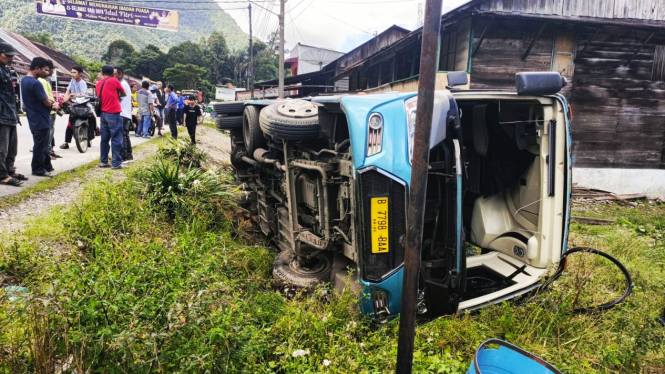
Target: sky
[(340, 25)]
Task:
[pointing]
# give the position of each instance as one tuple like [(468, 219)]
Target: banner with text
[(110, 13)]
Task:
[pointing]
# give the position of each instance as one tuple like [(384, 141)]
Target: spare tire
[(228, 122), (287, 271), (291, 120), (231, 108)]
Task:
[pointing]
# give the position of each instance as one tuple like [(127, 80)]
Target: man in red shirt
[(109, 91)]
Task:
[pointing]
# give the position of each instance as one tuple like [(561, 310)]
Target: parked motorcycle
[(82, 120)]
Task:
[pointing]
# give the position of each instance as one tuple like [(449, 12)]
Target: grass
[(120, 284), (47, 184), (51, 183)]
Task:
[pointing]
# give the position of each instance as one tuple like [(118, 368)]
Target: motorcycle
[(82, 120)]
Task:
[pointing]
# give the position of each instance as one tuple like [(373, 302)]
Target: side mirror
[(539, 83), (457, 78)]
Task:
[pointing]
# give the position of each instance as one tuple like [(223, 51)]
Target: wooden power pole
[(420, 162), (281, 48)]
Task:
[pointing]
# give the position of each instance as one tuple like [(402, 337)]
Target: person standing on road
[(126, 114), (38, 107), (146, 110), (155, 101), (109, 91), (77, 87), (171, 108), (193, 117), (8, 120), (181, 108), (49, 92), (159, 108)]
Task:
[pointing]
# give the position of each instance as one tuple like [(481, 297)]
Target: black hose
[(606, 306)]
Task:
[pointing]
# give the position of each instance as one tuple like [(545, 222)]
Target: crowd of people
[(121, 105)]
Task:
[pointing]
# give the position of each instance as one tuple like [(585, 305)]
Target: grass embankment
[(151, 275)]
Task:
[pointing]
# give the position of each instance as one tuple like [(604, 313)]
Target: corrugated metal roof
[(30, 50)]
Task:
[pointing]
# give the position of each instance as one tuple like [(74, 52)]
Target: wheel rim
[(297, 109), (318, 265)]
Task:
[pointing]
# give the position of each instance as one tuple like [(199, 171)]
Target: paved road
[(71, 158)]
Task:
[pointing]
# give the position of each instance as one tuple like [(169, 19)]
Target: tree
[(215, 54), (117, 51), (186, 53), (92, 67), (185, 76), (150, 62), (40, 37), (266, 62)]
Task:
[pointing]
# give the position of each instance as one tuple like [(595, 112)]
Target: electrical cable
[(608, 305), (339, 20), (301, 12)]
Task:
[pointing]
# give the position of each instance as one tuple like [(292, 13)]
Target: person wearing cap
[(181, 108), (171, 107), (155, 101), (8, 119)]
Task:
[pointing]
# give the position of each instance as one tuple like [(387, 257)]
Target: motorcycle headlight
[(410, 107), (374, 134)]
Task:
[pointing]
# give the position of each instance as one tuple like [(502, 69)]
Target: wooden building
[(612, 52)]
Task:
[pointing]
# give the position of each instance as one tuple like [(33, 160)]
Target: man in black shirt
[(193, 117)]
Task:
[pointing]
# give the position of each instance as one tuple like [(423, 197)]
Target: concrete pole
[(281, 48), (251, 56)]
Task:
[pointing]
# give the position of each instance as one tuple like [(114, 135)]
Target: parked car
[(327, 181)]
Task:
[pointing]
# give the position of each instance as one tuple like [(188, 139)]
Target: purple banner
[(110, 13)]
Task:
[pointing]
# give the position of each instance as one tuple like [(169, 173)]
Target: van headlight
[(410, 107), (374, 134)]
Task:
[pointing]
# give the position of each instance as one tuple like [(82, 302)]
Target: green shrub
[(183, 152)]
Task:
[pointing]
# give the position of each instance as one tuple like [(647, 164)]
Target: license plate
[(379, 209)]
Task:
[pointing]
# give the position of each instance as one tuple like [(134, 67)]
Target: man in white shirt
[(77, 86), (126, 114)]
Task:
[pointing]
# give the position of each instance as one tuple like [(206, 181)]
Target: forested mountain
[(91, 39)]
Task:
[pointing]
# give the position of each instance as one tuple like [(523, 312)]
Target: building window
[(658, 74), (448, 53), (407, 63), (403, 62), (374, 73), (387, 71)]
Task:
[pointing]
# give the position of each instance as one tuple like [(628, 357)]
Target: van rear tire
[(287, 271)]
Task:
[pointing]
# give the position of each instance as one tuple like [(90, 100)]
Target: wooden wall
[(627, 9), (619, 112), (500, 55)]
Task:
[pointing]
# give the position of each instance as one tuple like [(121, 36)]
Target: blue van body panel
[(393, 288)]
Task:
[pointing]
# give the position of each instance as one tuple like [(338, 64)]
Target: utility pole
[(251, 56), (416, 211), (281, 48)]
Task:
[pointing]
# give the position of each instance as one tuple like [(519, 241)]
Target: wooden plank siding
[(626, 9), (499, 58), (619, 112)]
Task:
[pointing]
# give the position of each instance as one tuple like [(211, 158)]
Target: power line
[(301, 12), (337, 19), (298, 30)]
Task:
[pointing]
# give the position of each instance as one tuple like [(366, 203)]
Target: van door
[(443, 270)]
